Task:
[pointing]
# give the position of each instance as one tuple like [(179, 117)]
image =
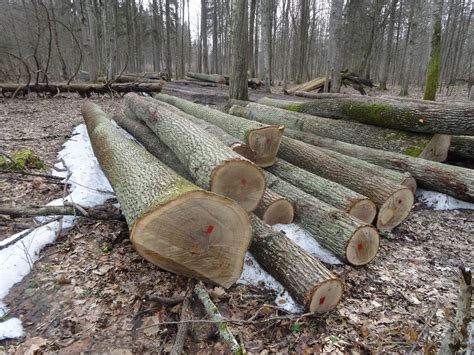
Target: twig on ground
[(166, 301), (23, 235), (213, 312), (23, 172), (50, 136), (183, 327), (425, 327), (67, 210)]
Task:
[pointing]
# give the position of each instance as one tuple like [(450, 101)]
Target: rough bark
[(85, 90), (384, 112), (213, 312), (432, 147), (462, 147), (452, 180), (349, 238), (267, 15), (306, 279), (263, 139), (394, 201), (397, 177), (275, 209), (212, 165), (238, 86), (213, 78), (327, 191), (161, 209)]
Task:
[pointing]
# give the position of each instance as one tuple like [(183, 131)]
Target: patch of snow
[(11, 329), (305, 240), (88, 186), (441, 202)]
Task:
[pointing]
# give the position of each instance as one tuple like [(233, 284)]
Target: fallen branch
[(183, 328), (457, 335), (166, 301), (22, 172), (73, 210), (21, 236), (213, 312)]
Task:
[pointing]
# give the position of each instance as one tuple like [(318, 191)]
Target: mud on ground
[(87, 292)]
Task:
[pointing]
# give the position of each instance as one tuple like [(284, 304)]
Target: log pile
[(188, 192)]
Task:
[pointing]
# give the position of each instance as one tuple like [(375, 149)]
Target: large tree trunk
[(267, 15), (305, 278), (299, 272), (349, 238), (394, 201), (275, 209), (263, 139), (213, 78), (212, 165), (432, 147), (83, 89), (387, 53), (404, 179), (327, 191), (434, 66), (173, 223), (452, 180), (238, 85), (385, 112), (205, 61)]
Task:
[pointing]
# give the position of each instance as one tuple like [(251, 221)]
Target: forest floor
[(87, 291)]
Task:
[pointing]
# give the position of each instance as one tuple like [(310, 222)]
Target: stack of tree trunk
[(202, 79), (311, 85)]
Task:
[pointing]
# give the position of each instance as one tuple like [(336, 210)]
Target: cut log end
[(199, 235), (241, 181), (326, 296), (362, 246), (279, 212), (265, 142), (244, 150), (365, 210), (437, 149), (395, 209), (410, 182)]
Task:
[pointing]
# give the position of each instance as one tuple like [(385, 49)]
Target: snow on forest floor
[(86, 290)]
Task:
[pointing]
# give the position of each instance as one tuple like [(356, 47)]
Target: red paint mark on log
[(321, 300), (360, 246), (243, 181), (210, 228)]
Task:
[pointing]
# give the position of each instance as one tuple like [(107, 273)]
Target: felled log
[(199, 96), (401, 178), (384, 112), (431, 147), (194, 82), (212, 165), (253, 83), (275, 209), (305, 278), (349, 238), (213, 78), (263, 139), (174, 224), (336, 195), (83, 89), (308, 86), (449, 179), (309, 287), (393, 201), (462, 147)]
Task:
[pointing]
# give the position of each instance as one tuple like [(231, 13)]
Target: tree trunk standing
[(255, 74), (156, 35), (335, 46), (182, 39), (215, 57), (252, 21), (387, 54), (238, 88), (54, 26), (303, 40), (409, 48), (112, 64), (286, 42), (169, 69), (87, 33), (432, 76), (267, 41), (205, 62)]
